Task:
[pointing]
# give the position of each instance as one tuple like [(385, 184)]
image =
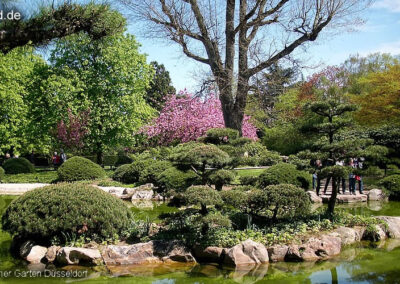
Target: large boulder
[(277, 252), (150, 252), (377, 234), (32, 253), (349, 235), (376, 195), (245, 253), (314, 198), (208, 254), (52, 253), (393, 228), (82, 256), (315, 248)]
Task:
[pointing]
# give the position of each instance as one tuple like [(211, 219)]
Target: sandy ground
[(18, 188)]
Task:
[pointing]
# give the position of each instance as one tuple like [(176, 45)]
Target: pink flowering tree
[(72, 131), (185, 118)]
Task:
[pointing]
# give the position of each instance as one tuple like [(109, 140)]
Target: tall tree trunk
[(99, 154), (332, 200)]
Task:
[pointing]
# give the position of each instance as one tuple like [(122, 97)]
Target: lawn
[(38, 177)]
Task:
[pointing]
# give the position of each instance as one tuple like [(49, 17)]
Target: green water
[(363, 263)]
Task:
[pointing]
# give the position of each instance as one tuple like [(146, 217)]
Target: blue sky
[(381, 33)]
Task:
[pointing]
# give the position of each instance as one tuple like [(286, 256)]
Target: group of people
[(58, 159), (355, 180)]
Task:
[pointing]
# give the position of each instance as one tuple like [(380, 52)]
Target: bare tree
[(240, 38)]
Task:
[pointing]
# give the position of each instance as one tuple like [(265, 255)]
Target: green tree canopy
[(107, 77)]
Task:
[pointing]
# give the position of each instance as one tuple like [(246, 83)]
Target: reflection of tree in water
[(375, 266)]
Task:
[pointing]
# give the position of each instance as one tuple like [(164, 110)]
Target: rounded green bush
[(120, 174), (392, 184), (2, 174), (280, 201), (284, 173), (203, 196), (177, 180), (79, 168), (221, 177), (57, 211), (131, 173), (18, 166), (150, 173), (249, 180), (123, 160), (200, 156), (269, 158)]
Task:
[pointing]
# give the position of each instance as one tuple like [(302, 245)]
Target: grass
[(38, 177), (249, 172)]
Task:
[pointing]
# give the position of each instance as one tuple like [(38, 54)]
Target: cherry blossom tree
[(72, 131), (185, 118)]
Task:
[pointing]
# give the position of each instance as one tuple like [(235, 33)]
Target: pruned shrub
[(236, 198), (57, 211), (79, 168), (249, 180), (254, 149), (151, 172), (120, 174), (18, 166), (2, 174), (392, 184), (123, 160), (199, 157), (269, 158), (221, 177), (131, 173), (202, 196), (283, 173), (279, 201), (221, 135), (176, 180)]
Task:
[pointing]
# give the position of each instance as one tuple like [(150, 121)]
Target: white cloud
[(389, 47), (390, 5)]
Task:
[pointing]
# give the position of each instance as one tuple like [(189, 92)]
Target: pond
[(363, 263)]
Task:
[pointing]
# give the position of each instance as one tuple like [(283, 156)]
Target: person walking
[(352, 178), (55, 160), (63, 156)]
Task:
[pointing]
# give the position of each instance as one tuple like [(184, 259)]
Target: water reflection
[(361, 263)]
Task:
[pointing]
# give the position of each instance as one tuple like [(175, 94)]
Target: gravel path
[(18, 188)]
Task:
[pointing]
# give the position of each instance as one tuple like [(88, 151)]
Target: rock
[(52, 253), (322, 247), (293, 254), (247, 252), (348, 235), (376, 195), (82, 256), (158, 197), (127, 193), (150, 252), (143, 195), (378, 234), (277, 252), (173, 251), (208, 254), (36, 254), (314, 198), (130, 254), (393, 228)]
